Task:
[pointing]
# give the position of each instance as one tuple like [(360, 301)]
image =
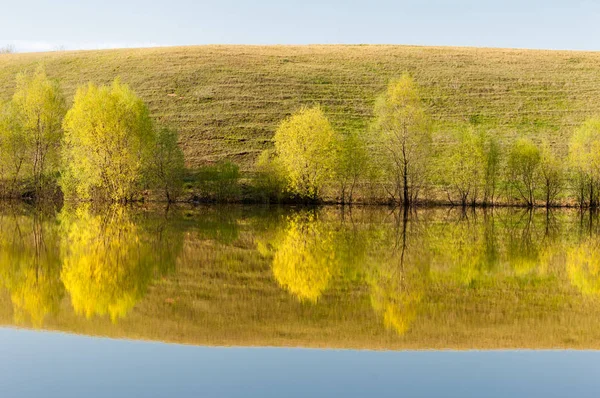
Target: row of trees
[(400, 153), (105, 147)]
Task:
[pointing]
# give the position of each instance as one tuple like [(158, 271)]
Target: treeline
[(403, 159), (104, 147)]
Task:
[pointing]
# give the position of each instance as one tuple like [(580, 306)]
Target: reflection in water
[(305, 260), (398, 273), (583, 266), (30, 265), (366, 277), (109, 259)]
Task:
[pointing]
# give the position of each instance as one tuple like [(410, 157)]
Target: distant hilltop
[(227, 101)]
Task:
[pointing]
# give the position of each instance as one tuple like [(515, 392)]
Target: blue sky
[(39, 25)]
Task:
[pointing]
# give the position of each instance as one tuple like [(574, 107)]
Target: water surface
[(368, 278)]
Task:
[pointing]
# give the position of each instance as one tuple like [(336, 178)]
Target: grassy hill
[(227, 100)]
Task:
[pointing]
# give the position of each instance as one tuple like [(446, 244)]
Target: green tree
[(402, 140), (584, 158), (493, 162), (551, 174), (270, 181), (465, 167), (523, 169), (168, 165), (13, 151), (107, 144), (352, 164), (220, 182), (37, 109)]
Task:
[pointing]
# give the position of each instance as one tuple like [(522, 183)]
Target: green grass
[(227, 100)]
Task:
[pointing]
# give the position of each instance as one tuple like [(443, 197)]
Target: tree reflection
[(110, 258), (397, 274), (30, 265), (305, 260)]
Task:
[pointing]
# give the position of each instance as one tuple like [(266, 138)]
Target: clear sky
[(39, 25)]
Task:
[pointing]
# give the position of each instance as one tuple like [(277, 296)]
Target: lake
[(284, 301)]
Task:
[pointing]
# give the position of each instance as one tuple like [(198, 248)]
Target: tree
[(550, 174), (493, 157), (465, 167), (270, 181), (584, 158), (107, 144), (168, 165), (304, 145), (402, 140), (523, 168), (351, 165), (8, 49), (37, 108), (13, 151)]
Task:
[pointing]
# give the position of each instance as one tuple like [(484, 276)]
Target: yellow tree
[(402, 140), (108, 142), (305, 147), (584, 157), (34, 134)]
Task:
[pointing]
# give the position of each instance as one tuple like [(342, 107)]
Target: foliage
[(107, 144), (270, 181), (551, 174), (31, 133), (493, 168), (465, 167), (220, 181), (352, 165), (402, 140), (305, 147), (167, 168), (523, 170), (584, 157)]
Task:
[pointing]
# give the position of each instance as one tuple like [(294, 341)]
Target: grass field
[(227, 100)]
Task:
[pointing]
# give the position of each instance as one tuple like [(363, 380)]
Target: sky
[(47, 25)]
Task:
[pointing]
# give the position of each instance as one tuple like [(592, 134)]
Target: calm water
[(249, 277)]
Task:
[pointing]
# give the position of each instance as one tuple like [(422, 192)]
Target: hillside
[(227, 100)]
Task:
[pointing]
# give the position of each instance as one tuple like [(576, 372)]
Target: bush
[(219, 182)]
